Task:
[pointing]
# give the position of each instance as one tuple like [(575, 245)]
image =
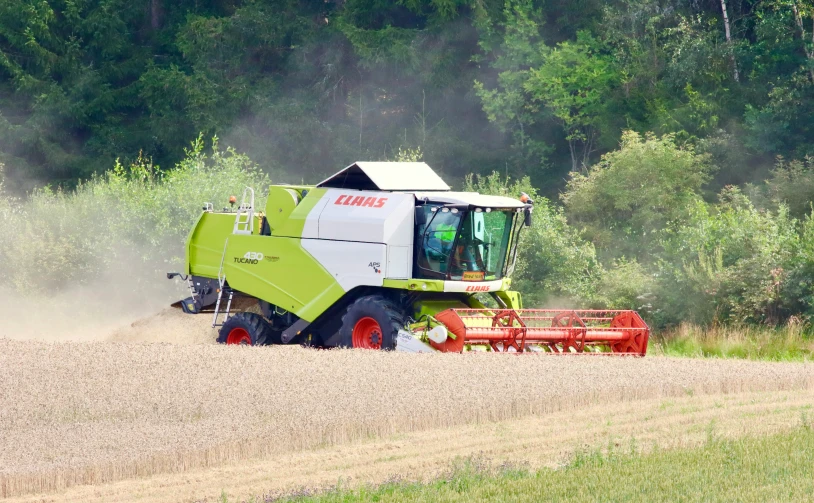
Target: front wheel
[(248, 329), (371, 322)]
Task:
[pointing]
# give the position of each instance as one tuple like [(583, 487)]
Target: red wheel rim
[(238, 336), (367, 334)]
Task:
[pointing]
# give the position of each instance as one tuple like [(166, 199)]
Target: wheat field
[(94, 412)]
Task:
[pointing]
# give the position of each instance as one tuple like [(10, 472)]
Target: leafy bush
[(624, 201), (129, 223), (797, 288), (730, 263), (791, 183), (688, 260), (675, 259), (626, 284)]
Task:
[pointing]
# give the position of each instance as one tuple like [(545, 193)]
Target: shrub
[(730, 262), (792, 184), (132, 220), (647, 185), (626, 285)]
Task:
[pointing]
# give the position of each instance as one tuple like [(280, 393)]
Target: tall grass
[(791, 342), (772, 468)]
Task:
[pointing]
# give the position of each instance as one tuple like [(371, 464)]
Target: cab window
[(463, 245)]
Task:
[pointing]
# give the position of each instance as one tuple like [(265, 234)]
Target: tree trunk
[(809, 52), (587, 150), (574, 162), (156, 14), (729, 41)]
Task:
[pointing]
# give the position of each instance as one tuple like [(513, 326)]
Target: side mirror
[(420, 216), (527, 219)]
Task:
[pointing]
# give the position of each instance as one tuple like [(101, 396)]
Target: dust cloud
[(129, 304), (100, 313)]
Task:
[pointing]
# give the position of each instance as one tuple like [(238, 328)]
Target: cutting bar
[(555, 331)]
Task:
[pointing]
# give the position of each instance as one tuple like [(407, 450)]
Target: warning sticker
[(473, 276)]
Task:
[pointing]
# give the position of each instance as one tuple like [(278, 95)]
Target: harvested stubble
[(80, 413)]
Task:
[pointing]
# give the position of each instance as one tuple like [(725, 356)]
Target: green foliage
[(779, 126), (735, 264), (137, 215), (649, 184), (683, 260), (572, 82), (555, 95), (791, 342), (791, 183), (519, 86), (506, 105), (744, 469), (388, 45), (626, 284), (797, 288), (676, 258)]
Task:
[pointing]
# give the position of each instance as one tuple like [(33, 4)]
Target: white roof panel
[(391, 176), (473, 198)]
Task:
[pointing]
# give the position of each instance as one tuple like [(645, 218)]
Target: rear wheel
[(371, 322), (245, 328)]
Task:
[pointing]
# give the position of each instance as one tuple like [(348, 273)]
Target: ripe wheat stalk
[(91, 413)]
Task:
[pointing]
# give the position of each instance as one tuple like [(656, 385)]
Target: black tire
[(245, 328), (386, 315)]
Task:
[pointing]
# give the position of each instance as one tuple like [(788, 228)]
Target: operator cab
[(460, 241)]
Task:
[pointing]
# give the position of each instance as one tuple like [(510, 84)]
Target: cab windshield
[(464, 244)]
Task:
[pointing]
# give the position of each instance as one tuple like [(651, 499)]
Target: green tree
[(572, 82), (520, 47), (731, 262), (791, 184), (647, 185)]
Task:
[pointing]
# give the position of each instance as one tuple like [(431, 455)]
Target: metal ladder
[(221, 288), (217, 308), (244, 224), (244, 220)]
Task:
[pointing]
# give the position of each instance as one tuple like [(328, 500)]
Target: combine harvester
[(382, 255)]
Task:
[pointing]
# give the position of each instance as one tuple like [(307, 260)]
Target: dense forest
[(537, 88), (671, 139)]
